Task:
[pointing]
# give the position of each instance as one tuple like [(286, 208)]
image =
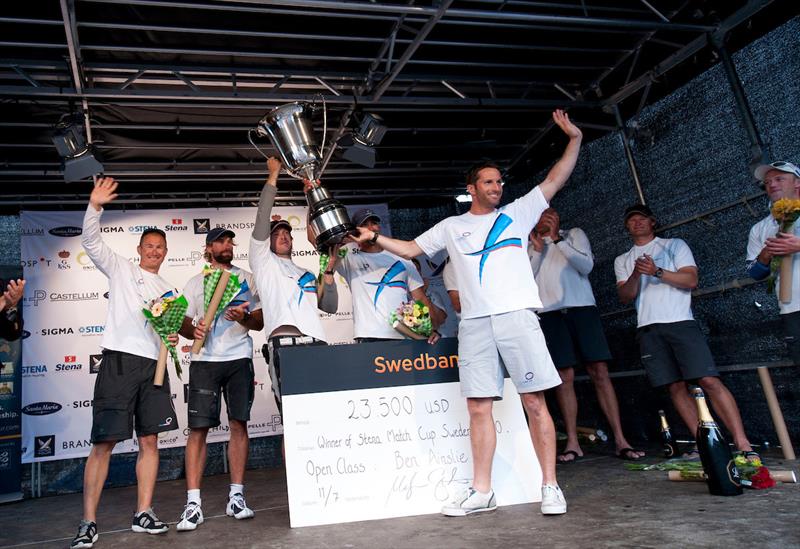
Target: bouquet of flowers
[(211, 279), (412, 319), (751, 471), (165, 314), (786, 211)]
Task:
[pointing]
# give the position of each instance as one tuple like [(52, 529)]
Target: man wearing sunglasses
[(781, 180)]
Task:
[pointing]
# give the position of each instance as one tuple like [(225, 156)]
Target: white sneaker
[(191, 517), (470, 501), (553, 502), (237, 508)]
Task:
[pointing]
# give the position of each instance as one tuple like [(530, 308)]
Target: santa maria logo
[(389, 280), (308, 284), (492, 244)]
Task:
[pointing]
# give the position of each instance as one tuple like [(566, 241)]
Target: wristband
[(328, 272), (374, 238)]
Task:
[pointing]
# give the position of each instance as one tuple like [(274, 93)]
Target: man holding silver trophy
[(498, 297)]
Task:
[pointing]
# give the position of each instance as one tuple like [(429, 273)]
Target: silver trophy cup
[(290, 129)]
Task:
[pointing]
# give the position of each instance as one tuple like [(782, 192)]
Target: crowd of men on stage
[(518, 282)]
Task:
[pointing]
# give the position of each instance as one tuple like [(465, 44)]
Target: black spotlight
[(78, 158), (359, 149)]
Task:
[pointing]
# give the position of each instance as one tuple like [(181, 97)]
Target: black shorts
[(208, 381), (791, 331), (273, 363), (574, 335), (124, 392), (675, 351)]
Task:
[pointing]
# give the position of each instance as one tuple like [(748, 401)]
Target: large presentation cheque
[(380, 430)]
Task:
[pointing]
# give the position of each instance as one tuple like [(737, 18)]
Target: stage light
[(78, 159), (359, 147)]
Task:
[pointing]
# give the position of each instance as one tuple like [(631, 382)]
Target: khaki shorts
[(513, 342)]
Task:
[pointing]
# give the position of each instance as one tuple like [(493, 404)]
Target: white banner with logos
[(65, 309)]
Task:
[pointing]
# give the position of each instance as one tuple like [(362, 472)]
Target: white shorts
[(512, 342)]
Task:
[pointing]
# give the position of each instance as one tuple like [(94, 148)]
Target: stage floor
[(608, 507)]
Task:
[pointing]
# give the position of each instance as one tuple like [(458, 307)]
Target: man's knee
[(567, 374), (479, 407), (534, 404), (711, 384), (238, 428), (148, 443), (598, 371)]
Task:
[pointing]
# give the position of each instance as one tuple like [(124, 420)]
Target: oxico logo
[(34, 370), (83, 260), (92, 329), (66, 231), (95, 361), (56, 331), (44, 446), (201, 225), (41, 408)]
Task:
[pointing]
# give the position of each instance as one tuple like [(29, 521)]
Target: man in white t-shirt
[(659, 274), (290, 295), (781, 180), (224, 366), (498, 296), (124, 390), (380, 283), (561, 261)]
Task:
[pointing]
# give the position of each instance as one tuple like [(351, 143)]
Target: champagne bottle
[(666, 437), (723, 476)]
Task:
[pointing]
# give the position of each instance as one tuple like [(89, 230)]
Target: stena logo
[(66, 231), (138, 229), (41, 408), (70, 364), (95, 329), (34, 370)]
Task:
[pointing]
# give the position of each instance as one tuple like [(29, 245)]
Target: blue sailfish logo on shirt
[(388, 280), (307, 284), (491, 244)]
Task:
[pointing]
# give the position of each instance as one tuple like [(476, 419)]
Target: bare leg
[(483, 439), (146, 471), (94, 477), (568, 404), (196, 451), (607, 398), (725, 406), (238, 448), (543, 434)]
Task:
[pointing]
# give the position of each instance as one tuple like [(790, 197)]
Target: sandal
[(628, 454), (573, 453)]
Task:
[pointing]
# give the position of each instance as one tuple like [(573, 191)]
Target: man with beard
[(291, 295), (499, 328), (224, 366), (781, 180), (124, 390)]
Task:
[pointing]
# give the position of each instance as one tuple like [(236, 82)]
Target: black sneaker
[(87, 535), (148, 522)]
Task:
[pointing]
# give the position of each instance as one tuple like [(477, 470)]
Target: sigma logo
[(56, 331), (65, 231), (112, 229), (95, 329), (41, 408), (82, 403), (44, 446), (201, 225), (95, 361)]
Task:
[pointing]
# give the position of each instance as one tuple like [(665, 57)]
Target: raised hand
[(13, 294), (562, 121), (536, 241), (104, 192)]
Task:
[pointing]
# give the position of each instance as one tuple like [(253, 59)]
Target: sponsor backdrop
[(65, 309), (10, 421)]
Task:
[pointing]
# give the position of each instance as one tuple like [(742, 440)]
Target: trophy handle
[(249, 138)]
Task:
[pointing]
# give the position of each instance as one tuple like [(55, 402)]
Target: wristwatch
[(374, 238), (659, 272), (11, 313), (328, 272)]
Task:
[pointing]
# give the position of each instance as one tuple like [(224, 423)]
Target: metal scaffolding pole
[(629, 154)]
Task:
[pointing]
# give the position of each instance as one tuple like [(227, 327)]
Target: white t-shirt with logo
[(761, 231), (562, 271), (659, 302), (489, 256), (228, 339), (131, 288), (379, 282), (288, 292)]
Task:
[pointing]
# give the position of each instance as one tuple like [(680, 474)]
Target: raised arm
[(407, 249), (267, 199), (562, 169), (99, 252)]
